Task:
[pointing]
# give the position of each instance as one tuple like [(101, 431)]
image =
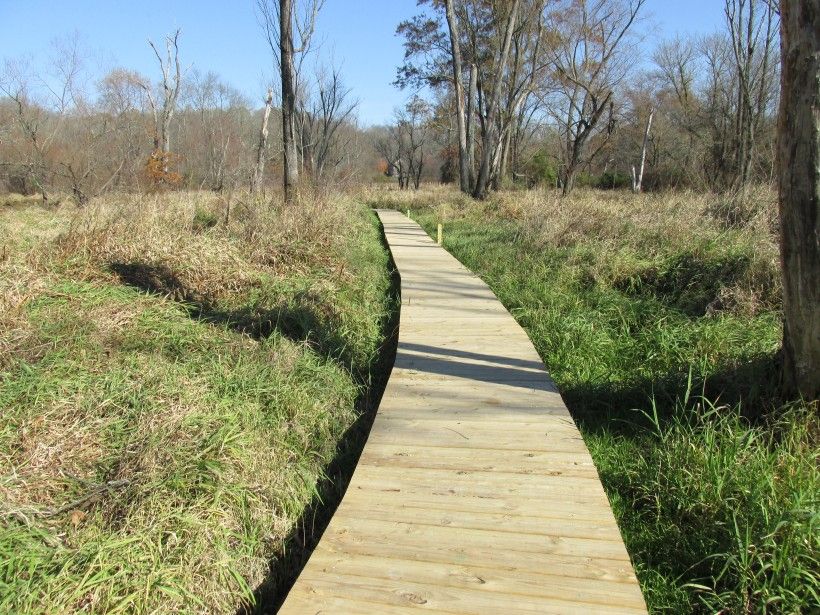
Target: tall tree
[(753, 31), (490, 133), (494, 45), (464, 161), (324, 143), (279, 20), (287, 72), (799, 150), (588, 63), (171, 83)]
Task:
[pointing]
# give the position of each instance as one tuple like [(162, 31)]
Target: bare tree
[(490, 136), (799, 150), (323, 143), (674, 79), (753, 31), (413, 123), (123, 101), (209, 105), (637, 178), (388, 144), (588, 65), (261, 148), (171, 83), (494, 45), (278, 20), (404, 146), (31, 119), (42, 105)]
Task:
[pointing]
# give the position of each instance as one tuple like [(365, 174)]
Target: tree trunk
[(488, 142), (799, 160), (291, 162), (166, 142), (569, 180), (505, 156), (471, 125), (637, 182), (455, 46), (259, 170)]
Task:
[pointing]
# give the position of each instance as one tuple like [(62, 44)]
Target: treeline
[(513, 93), (556, 93), (64, 131)]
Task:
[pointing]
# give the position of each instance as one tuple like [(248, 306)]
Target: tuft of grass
[(660, 324), (170, 397)]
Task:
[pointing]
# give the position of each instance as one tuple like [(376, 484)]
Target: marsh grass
[(660, 323), (177, 373)]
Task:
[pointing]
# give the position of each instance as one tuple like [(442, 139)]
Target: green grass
[(166, 418), (664, 346)]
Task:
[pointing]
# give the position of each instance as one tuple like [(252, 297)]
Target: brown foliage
[(159, 170)]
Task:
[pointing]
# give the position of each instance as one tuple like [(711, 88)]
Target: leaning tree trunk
[(637, 180), (259, 169), (799, 163), (291, 161)]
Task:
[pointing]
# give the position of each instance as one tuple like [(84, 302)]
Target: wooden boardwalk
[(475, 492)]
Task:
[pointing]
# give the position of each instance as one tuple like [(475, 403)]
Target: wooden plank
[(552, 462), (559, 496), (475, 492), (396, 507), (463, 601), (478, 578), (589, 567)]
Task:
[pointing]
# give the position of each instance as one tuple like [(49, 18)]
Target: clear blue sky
[(224, 36)]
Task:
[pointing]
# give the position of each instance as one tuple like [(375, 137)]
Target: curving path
[(475, 492)]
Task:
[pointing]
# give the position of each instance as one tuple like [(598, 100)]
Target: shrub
[(613, 180), (540, 171), (204, 219)]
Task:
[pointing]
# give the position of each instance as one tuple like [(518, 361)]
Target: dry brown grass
[(214, 438), (166, 230), (632, 231)]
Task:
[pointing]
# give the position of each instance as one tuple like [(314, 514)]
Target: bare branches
[(304, 17), (332, 110), (171, 82), (280, 20), (589, 61), (404, 147), (752, 37)]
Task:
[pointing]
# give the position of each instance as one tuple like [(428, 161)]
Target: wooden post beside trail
[(408, 214), (439, 240)]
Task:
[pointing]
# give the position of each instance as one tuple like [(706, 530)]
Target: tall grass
[(660, 323), (177, 371)]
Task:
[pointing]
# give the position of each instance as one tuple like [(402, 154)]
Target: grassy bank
[(658, 317), (176, 372)]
